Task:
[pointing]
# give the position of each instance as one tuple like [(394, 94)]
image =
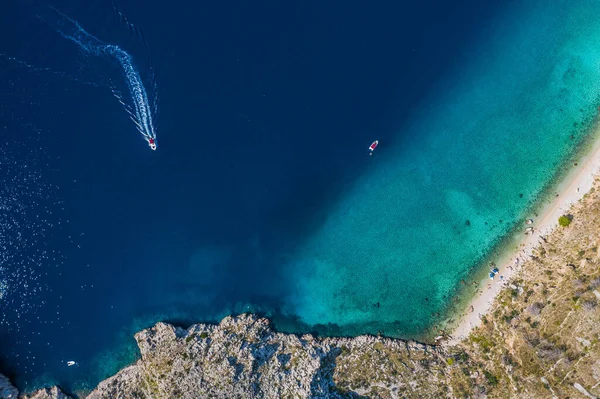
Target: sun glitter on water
[(27, 216)]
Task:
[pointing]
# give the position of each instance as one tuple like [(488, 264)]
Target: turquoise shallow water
[(391, 253)]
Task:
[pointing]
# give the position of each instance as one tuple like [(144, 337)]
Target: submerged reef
[(539, 340)]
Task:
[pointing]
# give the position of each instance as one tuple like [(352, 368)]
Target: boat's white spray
[(143, 113)]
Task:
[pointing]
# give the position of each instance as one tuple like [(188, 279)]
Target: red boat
[(373, 146)]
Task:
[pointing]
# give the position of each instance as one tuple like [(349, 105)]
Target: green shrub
[(564, 221), (492, 379), (450, 361), (189, 338)]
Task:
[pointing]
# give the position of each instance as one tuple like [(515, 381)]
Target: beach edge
[(570, 190)]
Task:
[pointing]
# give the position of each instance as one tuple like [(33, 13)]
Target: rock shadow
[(322, 385)]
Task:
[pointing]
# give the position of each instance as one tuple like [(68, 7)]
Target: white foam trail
[(141, 113)]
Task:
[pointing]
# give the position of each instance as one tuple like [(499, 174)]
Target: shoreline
[(577, 181)]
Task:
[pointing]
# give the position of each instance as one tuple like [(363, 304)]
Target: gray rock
[(7, 391), (243, 357), (47, 393)]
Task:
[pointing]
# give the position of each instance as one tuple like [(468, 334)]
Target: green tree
[(564, 221)]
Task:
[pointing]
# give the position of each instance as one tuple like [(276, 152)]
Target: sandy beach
[(575, 184)]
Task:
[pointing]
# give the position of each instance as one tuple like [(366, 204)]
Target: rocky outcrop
[(243, 357), (47, 393), (7, 391)]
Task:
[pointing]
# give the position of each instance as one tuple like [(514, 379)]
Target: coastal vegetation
[(564, 221)]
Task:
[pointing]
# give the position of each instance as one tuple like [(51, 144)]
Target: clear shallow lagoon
[(262, 195)]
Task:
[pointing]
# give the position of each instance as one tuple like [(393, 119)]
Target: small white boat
[(373, 146), (152, 144), (70, 363)]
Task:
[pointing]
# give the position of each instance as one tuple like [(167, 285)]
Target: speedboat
[(70, 363), (152, 144), (373, 146)]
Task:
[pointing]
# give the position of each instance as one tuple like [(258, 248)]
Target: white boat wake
[(143, 113)]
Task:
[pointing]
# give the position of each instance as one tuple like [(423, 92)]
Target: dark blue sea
[(261, 195)]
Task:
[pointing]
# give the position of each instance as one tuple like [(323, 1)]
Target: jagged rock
[(47, 393), (7, 391)]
